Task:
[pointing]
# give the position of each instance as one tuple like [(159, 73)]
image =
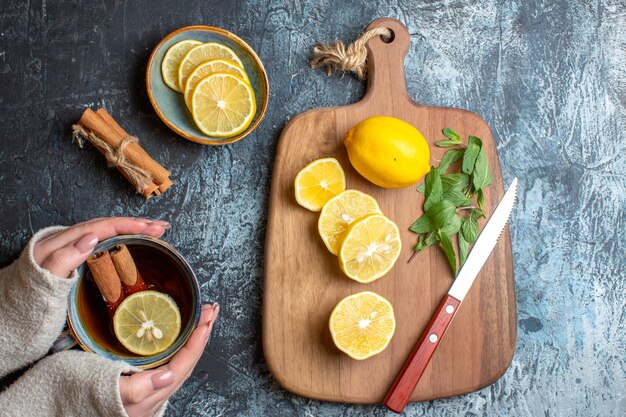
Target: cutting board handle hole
[(390, 38)]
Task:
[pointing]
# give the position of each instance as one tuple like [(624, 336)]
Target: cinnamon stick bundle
[(123, 152)]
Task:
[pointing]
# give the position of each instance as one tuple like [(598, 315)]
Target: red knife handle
[(401, 390)]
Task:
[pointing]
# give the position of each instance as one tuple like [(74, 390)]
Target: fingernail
[(206, 331), (162, 223), (153, 230), (214, 315), (86, 243), (162, 379)]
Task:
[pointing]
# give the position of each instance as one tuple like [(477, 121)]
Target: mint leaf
[(422, 225), (459, 181), (477, 213), (447, 143), (469, 230), (449, 158), (482, 176), (480, 199), (421, 188), (440, 214), (432, 182), (446, 244), (425, 241), (471, 153), (451, 134), (457, 198), (453, 227), (433, 188), (463, 250)]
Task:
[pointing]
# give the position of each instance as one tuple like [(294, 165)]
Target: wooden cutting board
[(303, 282)]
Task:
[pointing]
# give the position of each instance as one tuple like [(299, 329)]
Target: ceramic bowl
[(170, 105), (159, 255)]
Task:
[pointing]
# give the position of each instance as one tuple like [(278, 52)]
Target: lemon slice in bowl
[(147, 322), (340, 212), (370, 248), (211, 67), (362, 324), (318, 182), (223, 105), (171, 62), (202, 53)]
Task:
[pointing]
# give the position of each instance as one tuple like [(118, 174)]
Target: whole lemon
[(388, 152)]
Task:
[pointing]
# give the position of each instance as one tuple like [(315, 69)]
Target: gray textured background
[(547, 76)]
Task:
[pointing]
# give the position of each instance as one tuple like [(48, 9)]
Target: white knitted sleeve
[(33, 308)]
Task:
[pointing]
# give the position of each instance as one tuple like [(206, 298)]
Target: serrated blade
[(484, 245)]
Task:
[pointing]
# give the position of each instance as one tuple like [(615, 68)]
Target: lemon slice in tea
[(362, 324), (171, 62), (147, 322)]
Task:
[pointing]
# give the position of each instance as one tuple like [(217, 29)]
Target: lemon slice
[(339, 212), (171, 62), (370, 248), (318, 182), (202, 53), (362, 324), (208, 68), (223, 105), (147, 322)]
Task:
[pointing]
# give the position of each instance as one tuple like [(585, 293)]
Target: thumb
[(137, 387), (64, 260)]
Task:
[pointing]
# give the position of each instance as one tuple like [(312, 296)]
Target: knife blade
[(404, 385)]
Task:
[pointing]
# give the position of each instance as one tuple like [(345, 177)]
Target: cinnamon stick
[(167, 183), (106, 278), (127, 270)]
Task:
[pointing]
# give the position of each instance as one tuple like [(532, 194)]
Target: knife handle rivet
[(433, 338), (449, 309)]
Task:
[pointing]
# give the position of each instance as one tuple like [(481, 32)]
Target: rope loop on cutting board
[(336, 57)]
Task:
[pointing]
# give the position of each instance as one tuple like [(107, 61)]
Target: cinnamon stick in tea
[(107, 280), (127, 270)]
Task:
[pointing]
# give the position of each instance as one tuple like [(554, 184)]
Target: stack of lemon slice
[(215, 85), (351, 224)]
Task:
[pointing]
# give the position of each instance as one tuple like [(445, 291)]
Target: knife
[(407, 380)]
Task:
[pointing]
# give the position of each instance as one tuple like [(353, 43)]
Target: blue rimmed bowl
[(88, 323), (170, 105)]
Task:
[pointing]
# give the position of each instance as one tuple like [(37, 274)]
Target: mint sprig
[(448, 199)]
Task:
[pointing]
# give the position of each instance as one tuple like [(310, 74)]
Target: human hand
[(144, 393), (63, 252)]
